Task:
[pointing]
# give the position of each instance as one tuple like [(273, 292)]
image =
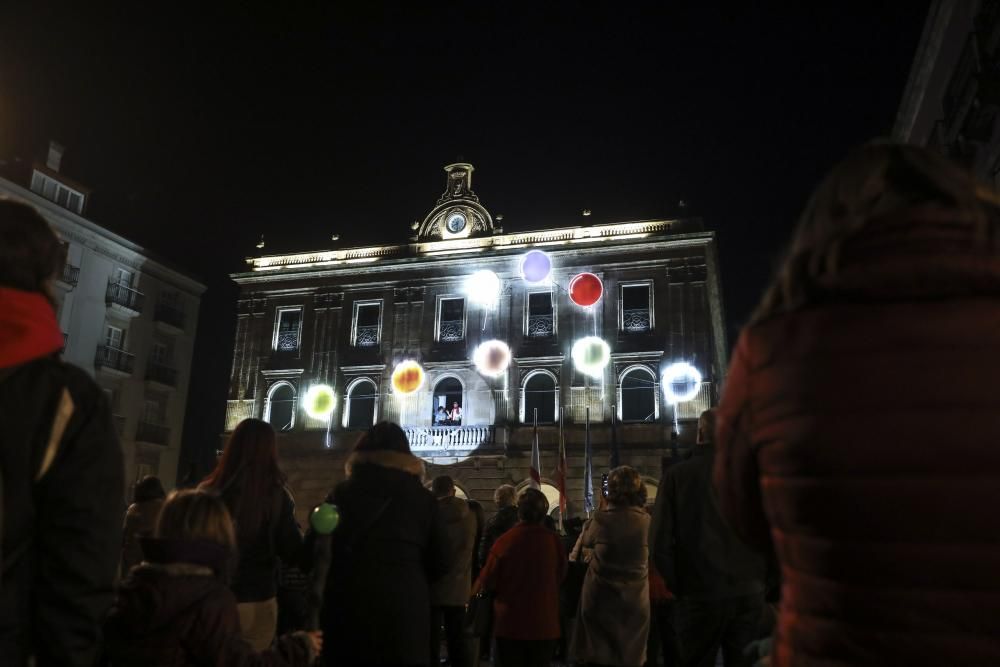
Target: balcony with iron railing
[(169, 315), (161, 374), (541, 326), (157, 434), (112, 358), (366, 336), (70, 275), (124, 297), (451, 331), (636, 320)]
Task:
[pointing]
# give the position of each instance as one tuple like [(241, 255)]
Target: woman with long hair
[(857, 434), (252, 486)]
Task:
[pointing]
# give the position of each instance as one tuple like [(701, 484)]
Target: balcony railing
[(168, 314), (449, 438), (540, 326), (366, 336), (635, 320), (158, 434), (451, 331), (124, 296), (112, 357), (162, 374), (71, 274), (288, 341)]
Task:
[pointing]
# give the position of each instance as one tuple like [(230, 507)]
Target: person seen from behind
[(248, 479), (450, 593), (140, 519), (523, 570), (388, 549), (176, 609), (858, 428), (718, 581), (61, 467), (613, 618)]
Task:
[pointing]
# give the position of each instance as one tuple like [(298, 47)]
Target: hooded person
[(140, 519), (61, 468), (389, 547)]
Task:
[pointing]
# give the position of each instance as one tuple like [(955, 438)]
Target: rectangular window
[(62, 196), (160, 355), (367, 323), (75, 203), (636, 313), (114, 337), (123, 277), (288, 330), (152, 412), (541, 315), (451, 319)]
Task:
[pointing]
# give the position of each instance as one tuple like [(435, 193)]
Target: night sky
[(200, 131)]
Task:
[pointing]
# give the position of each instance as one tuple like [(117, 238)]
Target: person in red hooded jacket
[(858, 429), (61, 469)]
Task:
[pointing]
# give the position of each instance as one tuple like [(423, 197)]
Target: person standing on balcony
[(456, 414), (61, 466), (253, 487)]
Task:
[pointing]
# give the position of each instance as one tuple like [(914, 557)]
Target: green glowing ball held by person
[(324, 518)]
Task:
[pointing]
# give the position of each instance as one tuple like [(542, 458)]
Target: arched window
[(539, 393), (359, 406), (448, 395), (280, 407), (638, 395)]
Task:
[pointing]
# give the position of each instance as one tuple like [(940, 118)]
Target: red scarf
[(28, 327)]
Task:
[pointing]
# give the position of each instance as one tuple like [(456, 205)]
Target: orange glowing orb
[(407, 377)]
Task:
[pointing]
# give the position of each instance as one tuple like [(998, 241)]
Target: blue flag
[(588, 470)]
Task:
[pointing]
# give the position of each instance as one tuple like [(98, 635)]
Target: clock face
[(456, 223)]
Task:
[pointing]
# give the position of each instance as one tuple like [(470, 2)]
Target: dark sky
[(199, 131)]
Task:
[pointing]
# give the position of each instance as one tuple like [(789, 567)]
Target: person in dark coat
[(858, 428), (388, 549), (718, 581), (253, 487), (140, 519), (506, 517), (476, 508), (61, 466), (524, 569), (175, 609)]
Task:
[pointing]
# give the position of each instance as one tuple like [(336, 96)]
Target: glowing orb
[(483, 287), (324, 518), (585, 289), (407, 377), (591, 356), (492, 358), (681, 382), (536, 267), (319, 401)]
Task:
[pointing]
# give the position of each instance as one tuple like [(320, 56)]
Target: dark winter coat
[(140, 522), (62, 506), (697, 553), (256, 574), (175, 610), (496, 525), (861, 436), (389, 547), (452, 590)]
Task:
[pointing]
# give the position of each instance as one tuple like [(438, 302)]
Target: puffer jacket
[(860, 435), (175, 610), (452, 590)]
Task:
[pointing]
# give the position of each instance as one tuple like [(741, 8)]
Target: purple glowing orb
[(536, 267)]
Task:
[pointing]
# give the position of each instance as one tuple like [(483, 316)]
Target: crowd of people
[(838, 508)]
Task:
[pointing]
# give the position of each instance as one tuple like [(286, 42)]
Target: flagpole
[(588, 467), (562, 474)]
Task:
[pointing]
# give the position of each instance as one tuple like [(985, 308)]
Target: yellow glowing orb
[(320, 401), (407, 377)]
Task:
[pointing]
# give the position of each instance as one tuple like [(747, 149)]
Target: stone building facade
[(345, 318), (127, 319)]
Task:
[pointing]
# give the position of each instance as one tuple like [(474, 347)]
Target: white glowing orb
[(681, 382), (492, 358), (319, 401), (591, 356), (483, 287)]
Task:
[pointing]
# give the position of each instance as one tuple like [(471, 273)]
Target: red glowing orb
[(585, 289)]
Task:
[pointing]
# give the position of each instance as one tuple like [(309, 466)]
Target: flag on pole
[(536, 458), (561, 472), (614, 460), (588, 469)]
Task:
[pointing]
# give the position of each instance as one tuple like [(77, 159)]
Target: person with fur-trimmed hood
[(388, 548)]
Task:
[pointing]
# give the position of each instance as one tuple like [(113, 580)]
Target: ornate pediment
[(458, 213)]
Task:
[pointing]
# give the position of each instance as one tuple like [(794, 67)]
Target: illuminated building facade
[(349, 318)]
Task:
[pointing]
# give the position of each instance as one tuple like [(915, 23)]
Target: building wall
[(84, 313)]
